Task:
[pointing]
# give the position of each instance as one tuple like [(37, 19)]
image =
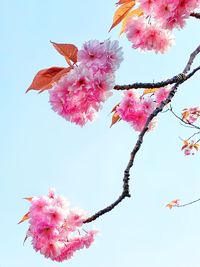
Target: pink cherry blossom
[(190, 115), (148, 36), (161, 94), (79, 95), (135, 110), (56, 229)]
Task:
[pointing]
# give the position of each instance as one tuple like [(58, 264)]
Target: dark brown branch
[(175, 79), (195, 15), (178, 78), (191, 59), (125, 193)]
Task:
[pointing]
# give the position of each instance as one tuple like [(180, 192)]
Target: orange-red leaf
[(69, 51), (114, 109), (115, 119), (185, 114), (120, 2), (136, 12), (185, 144), (121, 12), (44, 78), (173, 203), (24, 218), (28, 198), (196, 146)]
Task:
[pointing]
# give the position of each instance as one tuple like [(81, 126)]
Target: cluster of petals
[(190, 115), (190, 147), (148, 36), (55, 228), (135, 109), (79, 94), (170, 13)]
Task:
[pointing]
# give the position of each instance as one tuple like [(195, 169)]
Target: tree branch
[(175, 79), (125, 192), (195, 15), (187, 204)]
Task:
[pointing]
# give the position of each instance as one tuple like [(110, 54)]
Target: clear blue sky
[(39, 149)]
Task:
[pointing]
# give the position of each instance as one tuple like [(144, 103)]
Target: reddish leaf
[(115, 119), (44, 78), (114, 109), (57, 77), (185, 144), (24, 218), (120, 2), (173, 203), (69, 51), (28, 198), (121, 12)]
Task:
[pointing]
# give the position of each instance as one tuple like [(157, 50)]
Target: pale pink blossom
[(147, 36), (161, 94)]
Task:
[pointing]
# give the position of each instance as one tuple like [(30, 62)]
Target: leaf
[(173, 203), (121, 12), (124, 1), (196, 146), (69, 51), (44, 79), (24, 218), (136, 12), (115, 119), (150, 91), (114, 109), (57, 77), (185, 144), (28, 198)]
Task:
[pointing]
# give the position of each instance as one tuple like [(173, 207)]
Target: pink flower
[(92, 54), (56, 229), (79, 95), (161, 94), (190, 115), (148, 36), (135, 110)]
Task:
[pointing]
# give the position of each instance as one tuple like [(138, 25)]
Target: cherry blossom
[(78, 95), (56, 229)]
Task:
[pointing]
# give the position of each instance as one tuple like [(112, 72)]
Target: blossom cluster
[(135, 109), (148, 36), (55, 228), (170, 13), (190, 115), (190, 147), (78, 95), (153, 30)]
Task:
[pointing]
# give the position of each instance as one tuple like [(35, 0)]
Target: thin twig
[(187, 124), (187, 204)]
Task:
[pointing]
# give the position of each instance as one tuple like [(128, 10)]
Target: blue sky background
[(39, 149)]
